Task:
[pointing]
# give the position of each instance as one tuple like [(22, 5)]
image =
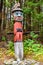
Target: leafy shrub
[(3, 38), (11, 45), (28, 46), (33, 35), (31, 47), (10, 50)]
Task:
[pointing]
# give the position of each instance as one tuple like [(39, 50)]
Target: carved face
[(18, 16)]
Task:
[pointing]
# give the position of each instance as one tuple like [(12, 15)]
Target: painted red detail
[(18, 36)]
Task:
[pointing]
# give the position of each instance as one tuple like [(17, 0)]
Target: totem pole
[(18, 31)]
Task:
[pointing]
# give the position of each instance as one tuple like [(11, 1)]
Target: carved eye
[(16, 13), (21, 14)]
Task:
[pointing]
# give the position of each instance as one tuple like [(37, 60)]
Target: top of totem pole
[(16, 7)]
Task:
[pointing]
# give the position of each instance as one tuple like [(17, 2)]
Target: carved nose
[(19, 15)]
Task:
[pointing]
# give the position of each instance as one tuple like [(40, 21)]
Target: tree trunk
[(1, 4)]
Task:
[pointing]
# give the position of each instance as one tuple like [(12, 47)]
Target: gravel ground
[(23, 62)]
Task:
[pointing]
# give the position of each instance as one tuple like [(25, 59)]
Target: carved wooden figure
[(18, 31)]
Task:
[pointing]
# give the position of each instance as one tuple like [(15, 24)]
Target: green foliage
[(8, 4), (33, 45), (11, 45), (32, 4), (38, 17), (17, 0), (3, 38), (26, 10), (11, 25), (32, 7), (10, 50), (30, 46), (33, 35)]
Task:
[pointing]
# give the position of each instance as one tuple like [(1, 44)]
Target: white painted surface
[(18, 46)]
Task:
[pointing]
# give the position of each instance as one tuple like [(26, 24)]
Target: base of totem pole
[(18, 46), (17, 63), (8, 62), (23, 62)]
